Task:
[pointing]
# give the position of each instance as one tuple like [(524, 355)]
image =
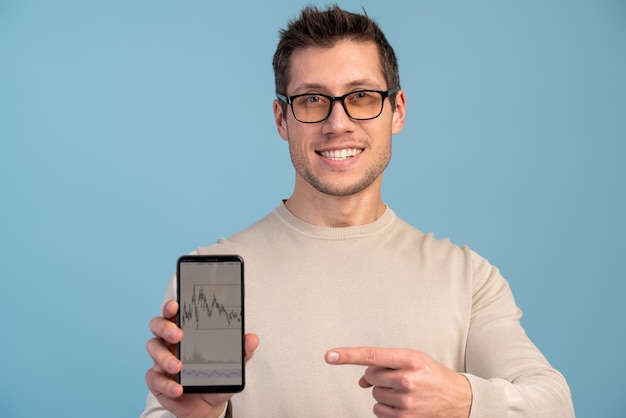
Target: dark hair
[(324, 28)]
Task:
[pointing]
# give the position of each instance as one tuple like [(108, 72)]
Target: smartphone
[(211, 316)]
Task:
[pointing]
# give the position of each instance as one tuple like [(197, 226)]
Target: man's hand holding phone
[(161, 378)]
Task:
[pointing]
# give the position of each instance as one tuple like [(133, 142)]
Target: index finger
[(391, 358)]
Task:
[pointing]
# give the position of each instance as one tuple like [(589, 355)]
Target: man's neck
[(337, 211)]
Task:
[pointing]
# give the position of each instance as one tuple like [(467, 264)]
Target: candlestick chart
[(209, 312)]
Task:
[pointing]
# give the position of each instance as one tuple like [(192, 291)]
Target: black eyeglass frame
[(384, 94)]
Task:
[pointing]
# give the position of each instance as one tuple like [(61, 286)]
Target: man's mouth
[(341, 154)]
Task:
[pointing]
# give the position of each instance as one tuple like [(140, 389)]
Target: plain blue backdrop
[(133, 131)]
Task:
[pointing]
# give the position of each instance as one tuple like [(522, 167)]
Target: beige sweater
[(385, 284)]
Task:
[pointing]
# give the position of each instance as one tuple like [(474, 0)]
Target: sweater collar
[(322, 232)]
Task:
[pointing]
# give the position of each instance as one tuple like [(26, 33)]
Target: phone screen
[(210, 314)]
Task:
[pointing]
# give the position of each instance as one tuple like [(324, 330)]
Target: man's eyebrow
[(362, 83), (309, 86)]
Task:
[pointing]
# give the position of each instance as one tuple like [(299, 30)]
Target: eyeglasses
[(359, 105)]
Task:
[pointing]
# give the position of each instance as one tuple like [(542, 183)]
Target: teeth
[(341, 154)]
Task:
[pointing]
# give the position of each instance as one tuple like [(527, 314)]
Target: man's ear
[(399, 113), (280, 120)]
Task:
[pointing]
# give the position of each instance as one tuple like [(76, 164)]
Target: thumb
[(251, 342)]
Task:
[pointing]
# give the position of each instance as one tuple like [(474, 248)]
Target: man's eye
[(361, 95), (311, 100), (316, 99)]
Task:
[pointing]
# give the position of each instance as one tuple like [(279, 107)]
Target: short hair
[(325, 28)]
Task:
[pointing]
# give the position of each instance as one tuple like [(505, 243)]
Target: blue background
[(133, 131)]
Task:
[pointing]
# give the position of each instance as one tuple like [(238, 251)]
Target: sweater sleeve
[(508, 374)]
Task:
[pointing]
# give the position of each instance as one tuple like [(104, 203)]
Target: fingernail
[(171, 365), (174, 390), (172, 333), (332, 357)]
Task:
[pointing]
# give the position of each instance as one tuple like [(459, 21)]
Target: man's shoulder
[(429, 242), (247, 236)]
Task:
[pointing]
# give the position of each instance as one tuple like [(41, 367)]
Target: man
[(345, 296)]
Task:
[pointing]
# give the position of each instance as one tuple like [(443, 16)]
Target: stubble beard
[(373, 172)]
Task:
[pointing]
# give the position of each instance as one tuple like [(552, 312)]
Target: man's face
[(339, 156)]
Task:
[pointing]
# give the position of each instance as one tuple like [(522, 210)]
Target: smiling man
[(355, 313), (339, 146)]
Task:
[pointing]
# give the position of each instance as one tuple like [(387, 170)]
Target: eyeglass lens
[(358, 105)]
